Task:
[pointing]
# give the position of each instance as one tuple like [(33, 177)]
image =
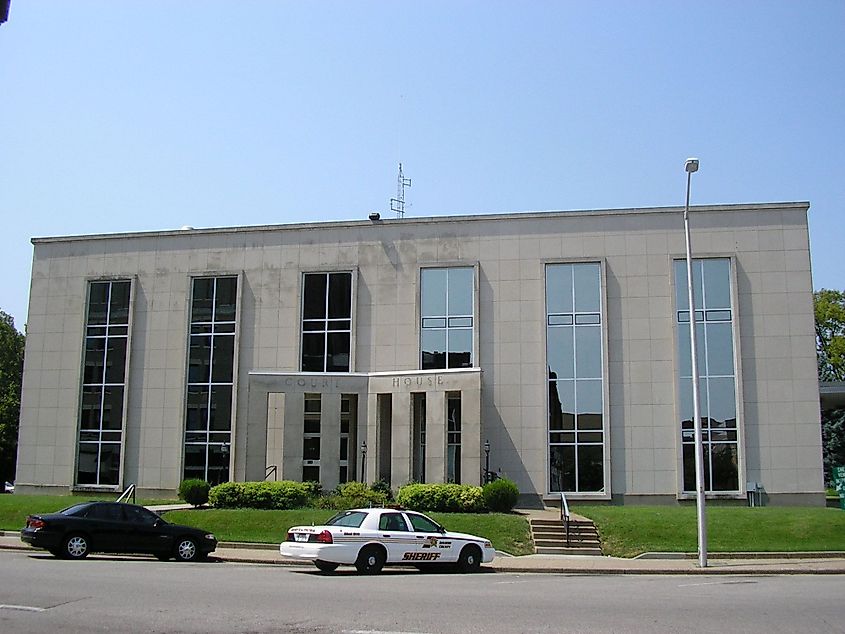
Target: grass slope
[(627, 531)]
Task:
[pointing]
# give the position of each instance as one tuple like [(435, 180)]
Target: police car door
[(432, 545), (395, 535)]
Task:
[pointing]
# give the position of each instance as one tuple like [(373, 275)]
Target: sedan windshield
[(353, 519)]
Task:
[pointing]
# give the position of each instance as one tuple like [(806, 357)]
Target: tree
[(11, 375), (833, 441), (830, 334)]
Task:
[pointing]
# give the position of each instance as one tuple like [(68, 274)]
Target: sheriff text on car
[(372, 538)]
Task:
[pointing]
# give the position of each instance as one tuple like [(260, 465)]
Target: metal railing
[(129, 492), (270, 470), (564, 514)]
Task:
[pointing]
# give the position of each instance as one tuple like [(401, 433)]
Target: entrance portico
[(422, 425)]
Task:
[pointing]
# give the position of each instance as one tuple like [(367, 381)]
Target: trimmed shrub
[(194, 491), (382, 486), (500, 495), (445, 498), (351, 495), (282, 495)]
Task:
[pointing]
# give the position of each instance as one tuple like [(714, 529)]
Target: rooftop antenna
[(398, 204)]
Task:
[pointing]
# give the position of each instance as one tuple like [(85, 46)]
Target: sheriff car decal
[(420, 556)]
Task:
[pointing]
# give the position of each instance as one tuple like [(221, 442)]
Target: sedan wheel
[(326, 566), (186, 550), (370, 560), (76, 547), (470, 559)]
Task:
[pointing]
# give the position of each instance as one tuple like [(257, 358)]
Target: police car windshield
[(353, 519)]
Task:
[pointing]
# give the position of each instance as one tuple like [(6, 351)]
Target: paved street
[(39, 593)]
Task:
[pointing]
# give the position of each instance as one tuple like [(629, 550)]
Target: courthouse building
[(401, 349)]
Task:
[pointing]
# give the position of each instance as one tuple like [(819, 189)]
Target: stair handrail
[(130, 491), (270, 470), (564, 514)]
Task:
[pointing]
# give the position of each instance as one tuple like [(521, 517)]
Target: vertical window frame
[(448, 327), (326, 320), (679, 283), (103, 332), (579, 319), (214, 438)]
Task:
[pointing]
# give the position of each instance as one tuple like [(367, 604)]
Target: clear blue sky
[(135, 115)]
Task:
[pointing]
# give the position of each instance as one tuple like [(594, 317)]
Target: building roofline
[(341, 224)]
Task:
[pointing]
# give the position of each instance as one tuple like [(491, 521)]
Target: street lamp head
[(691, 165), (487, 445), (364, 447)]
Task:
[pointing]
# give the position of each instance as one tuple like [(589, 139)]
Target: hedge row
[(500, 495)]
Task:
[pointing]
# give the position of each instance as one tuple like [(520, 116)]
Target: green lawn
[(508, 533), (15, 508), (627, 531)]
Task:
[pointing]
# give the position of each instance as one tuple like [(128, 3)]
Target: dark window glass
[(311, 448), (723, 458), (98, 303), (109, 463), (86, 472), (119, 304), (310, 473), (195, 461), (314, 300), (197, 407), (224, 359), (422, 524), (433, 349), (313, 352), (95, 351), (561, 405), (115, 359), (338, 353), (199, 358), (218, 463), (220, 416), (562, 468), (202, 304), (113, 407), (105, 512), (340, 295), (590, 468), (90, 411), (139, 515), (226, 299), (460, 348)]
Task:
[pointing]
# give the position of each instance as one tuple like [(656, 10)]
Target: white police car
[(372, 538)]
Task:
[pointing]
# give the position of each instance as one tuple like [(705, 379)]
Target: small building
[(551, 347)]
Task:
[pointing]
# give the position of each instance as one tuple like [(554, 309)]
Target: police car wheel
[(326, 566), (370, 560), (470, 559)]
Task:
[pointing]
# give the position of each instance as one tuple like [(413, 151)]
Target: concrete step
[(555, 543), (574, 550)]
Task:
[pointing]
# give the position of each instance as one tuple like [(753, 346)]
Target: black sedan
[(114, 527)]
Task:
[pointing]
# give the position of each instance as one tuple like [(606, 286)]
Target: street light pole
[(486, 461), (691, 166), (364, 461)]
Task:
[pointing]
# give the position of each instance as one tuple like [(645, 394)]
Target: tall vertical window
[(211, 362), (446, 318), (348, 410), (311, 438), (576, 384), (326, 322), (103, 383), (717, 374), (453, 437)]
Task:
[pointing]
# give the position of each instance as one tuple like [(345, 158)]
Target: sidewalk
[(654, 564)]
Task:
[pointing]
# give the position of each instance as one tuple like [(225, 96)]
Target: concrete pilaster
[(292, 438), (401, 438), (471, 437), (330, 440), (275, 431), (371, 426), (435, 437)]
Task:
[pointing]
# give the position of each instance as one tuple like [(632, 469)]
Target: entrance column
[(471, 437), (435, 436), (275, 431), (329, 440), (294, 428), (401, 438), (371, 435)]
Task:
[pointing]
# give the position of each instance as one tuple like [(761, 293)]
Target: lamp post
[(691, 166), (364, 461), (486, 461)]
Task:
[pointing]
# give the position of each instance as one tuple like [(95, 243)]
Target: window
[(576, 384), (446, 318), (392, 522), (716, 370), (311, 439), (422, 524), (326, 322), (348, 407), (453, 437), (211, 371), (103, 383)]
